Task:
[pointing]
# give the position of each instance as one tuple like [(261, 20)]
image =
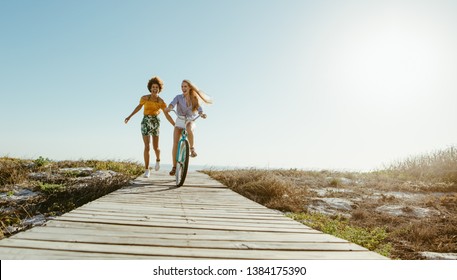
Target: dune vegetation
[(32, 191), (403, 211)]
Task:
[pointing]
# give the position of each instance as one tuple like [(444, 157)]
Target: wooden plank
[(205, 212), (192, 203), (181, 233), (154, 210), (210, 244), (195, 216), (178, 225), (186, 252), (285, 224), (47, 254), (182, 217)]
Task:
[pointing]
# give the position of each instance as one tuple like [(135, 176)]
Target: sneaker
[(146, 173), (157, 167)]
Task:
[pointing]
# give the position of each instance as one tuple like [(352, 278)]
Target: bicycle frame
[(182, 152)]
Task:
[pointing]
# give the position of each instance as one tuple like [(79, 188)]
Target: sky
[(340, 85)]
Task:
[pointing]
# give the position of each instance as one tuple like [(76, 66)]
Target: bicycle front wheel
[(182, 162)]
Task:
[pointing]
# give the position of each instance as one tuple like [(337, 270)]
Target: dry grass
[(56, 192), (269, 189), (12, 171), (439, 166), (426, 182)]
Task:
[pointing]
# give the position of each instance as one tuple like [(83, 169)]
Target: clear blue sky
[(303, 84)]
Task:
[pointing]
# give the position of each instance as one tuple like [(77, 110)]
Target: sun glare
[(394, 64), (386, 61)]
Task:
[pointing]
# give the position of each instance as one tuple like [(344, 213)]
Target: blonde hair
[(196, 95)]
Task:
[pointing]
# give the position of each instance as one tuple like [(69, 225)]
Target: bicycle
[(182, 154)]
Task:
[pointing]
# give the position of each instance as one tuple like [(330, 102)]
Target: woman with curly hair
[(150, 124), (187, 104)]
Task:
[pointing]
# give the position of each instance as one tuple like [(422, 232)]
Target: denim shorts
[(150, 125)]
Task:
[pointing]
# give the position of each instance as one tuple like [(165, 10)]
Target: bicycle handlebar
[(185, 117)]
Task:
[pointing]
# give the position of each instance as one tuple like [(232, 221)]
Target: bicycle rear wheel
[(182, 162)]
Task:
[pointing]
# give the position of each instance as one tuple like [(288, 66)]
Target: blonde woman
[(187, 104), (150, 124)]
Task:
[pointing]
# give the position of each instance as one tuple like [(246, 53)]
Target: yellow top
[(152, 107)]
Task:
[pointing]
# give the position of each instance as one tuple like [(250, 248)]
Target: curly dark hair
[(155, 80)]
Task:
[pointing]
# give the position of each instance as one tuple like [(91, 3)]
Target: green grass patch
[(131, 169), (41, 161), (51, 188), (373, 239)]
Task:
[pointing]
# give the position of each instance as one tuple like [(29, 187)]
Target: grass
[(438, 166), (12, 171), (56, 192), (431, 180), (51, 188), (373, 239), (266, 188), (128, 168)]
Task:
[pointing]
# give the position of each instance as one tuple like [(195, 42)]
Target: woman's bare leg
[(155, 146), (190, 135), (176, 135), (147, 141)]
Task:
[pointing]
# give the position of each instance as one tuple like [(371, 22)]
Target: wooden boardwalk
[(151, 219)]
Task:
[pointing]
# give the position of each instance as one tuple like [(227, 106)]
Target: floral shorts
[(150, 125)]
